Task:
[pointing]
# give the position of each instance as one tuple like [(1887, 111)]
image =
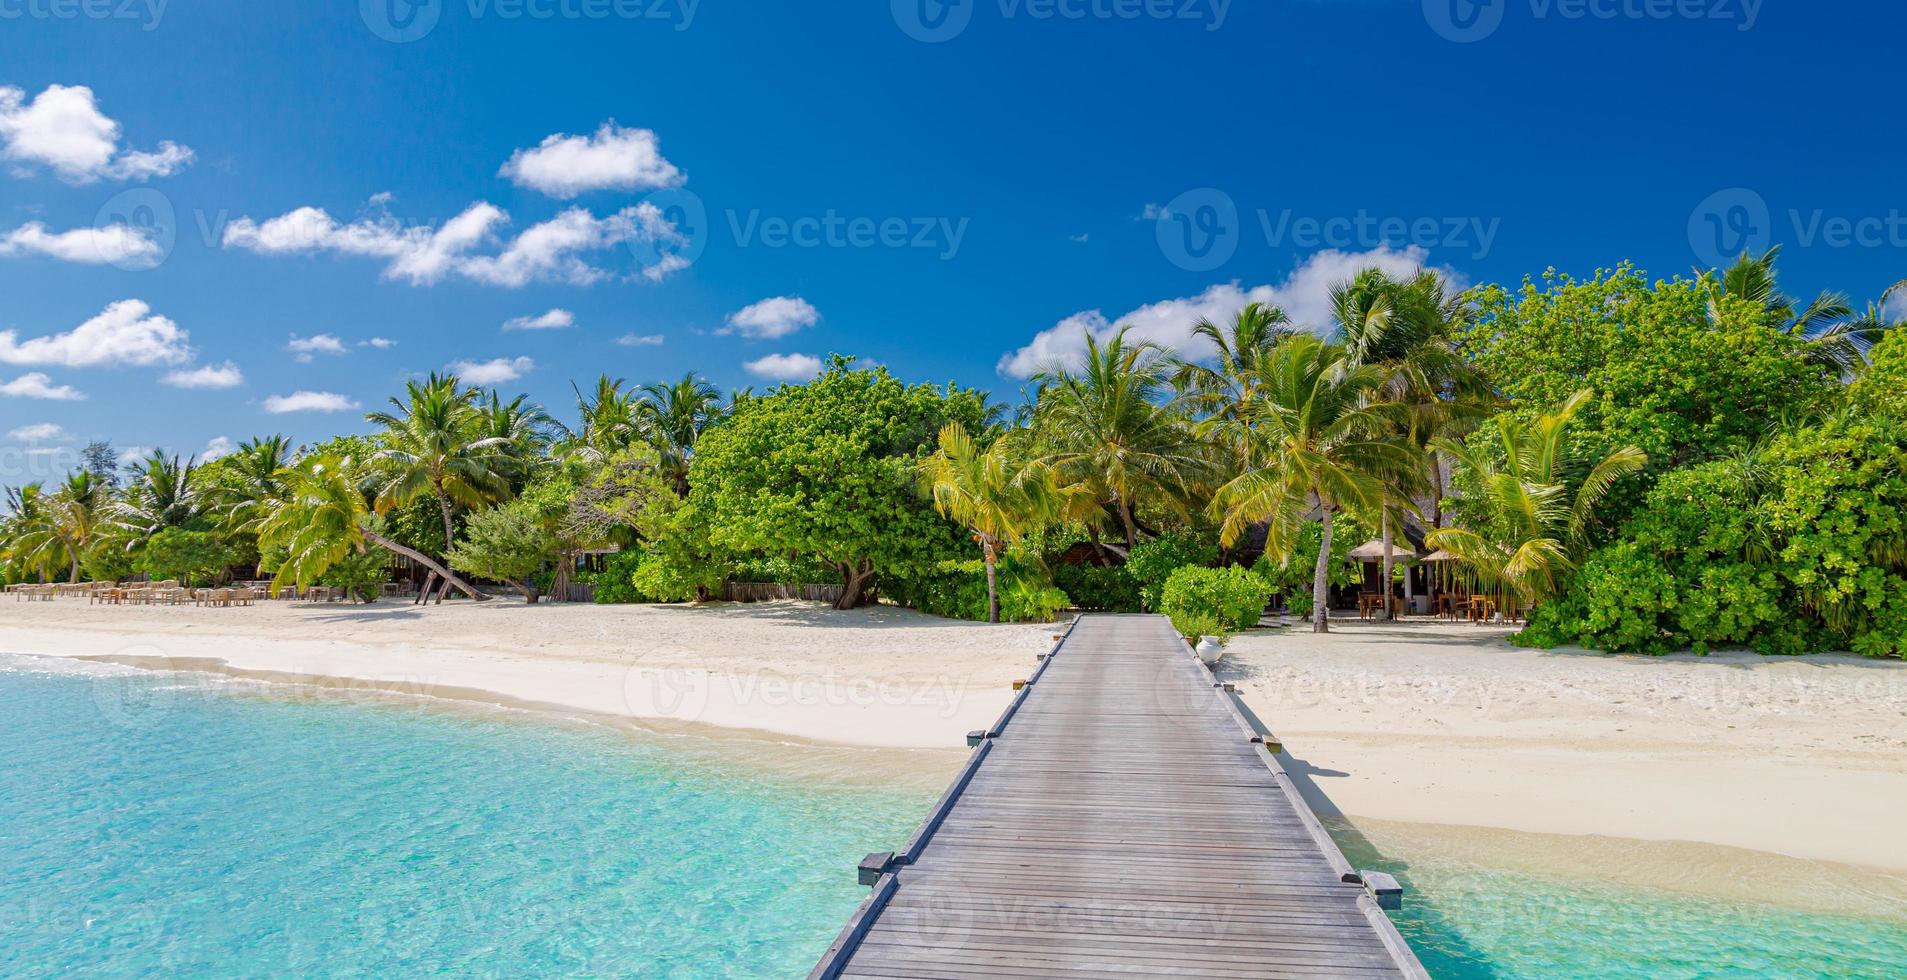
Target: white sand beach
[(881, 677), (1401, 726)]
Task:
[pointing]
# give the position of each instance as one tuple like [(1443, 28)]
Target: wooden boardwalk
[(1123, 818)]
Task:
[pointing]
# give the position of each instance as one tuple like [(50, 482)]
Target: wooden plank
[(1120, 820)]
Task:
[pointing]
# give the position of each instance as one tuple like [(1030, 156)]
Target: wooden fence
[(770, 591)]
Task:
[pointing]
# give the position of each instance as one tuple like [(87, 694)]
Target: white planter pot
[(1210, 650)]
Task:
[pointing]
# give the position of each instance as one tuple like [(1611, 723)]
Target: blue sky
[(260, 211)]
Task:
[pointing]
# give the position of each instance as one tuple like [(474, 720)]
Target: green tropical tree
[(1225, 387), (1318, 447), (609, 421), (1109, 434), (1538, 493), (520, 433), (1408, 330), (1837, 337), (434, 447), (673, 418), (33, 548), (323, 517), (162, 494), (994, 492)]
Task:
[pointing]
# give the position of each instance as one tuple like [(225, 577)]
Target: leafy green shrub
[(505, 545), (190, 557), (1799, 548), (957, 589), (1028, 602), (1193, 625), (359, 574), (1100, 588), (1236, 596), (616, 583), (782, 570), (1152, 562)]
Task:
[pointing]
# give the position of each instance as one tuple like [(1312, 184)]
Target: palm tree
[(1109, 434), (1541, 497), (433, 448), (1407, 328), (32, 540), (993, 492), (162, 495), (520, 431), (322, 516), (1317, 446), (674, 416), (1244, 348), (253, 469), (1837, 336), (610, 421)]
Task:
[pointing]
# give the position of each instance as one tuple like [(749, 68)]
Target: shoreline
[(1414, 738)]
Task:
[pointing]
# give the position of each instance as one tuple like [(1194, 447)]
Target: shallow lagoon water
[(180, 823)]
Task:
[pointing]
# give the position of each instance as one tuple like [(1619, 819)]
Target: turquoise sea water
[(177, 824)]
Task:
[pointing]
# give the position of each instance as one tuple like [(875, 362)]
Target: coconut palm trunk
[(993, 585), (1384, 573), (443, 509), (1321, 582), (450, 579)]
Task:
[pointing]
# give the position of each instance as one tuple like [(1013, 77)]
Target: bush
[(1194, 625), (1151, 563), (190, 557), (1100, 588), (1798, 549), (667, 576), (1028, 602), (616, 583), (360, 574), (1235, 596)]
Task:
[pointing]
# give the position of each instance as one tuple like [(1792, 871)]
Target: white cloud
[(491, 372), (1079, 239), (1304, 295), (63, 130), (669, 264), (640, 340), (37, 385), (127, 332), (211, 376), (381, 343), (614, 158), (785, 367), (43, 432), (112, 244), (309, 401), (218, 447), (558, 319), (546, 252), (323, 343), (1153, 212), (419, 255), (772, 319)]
